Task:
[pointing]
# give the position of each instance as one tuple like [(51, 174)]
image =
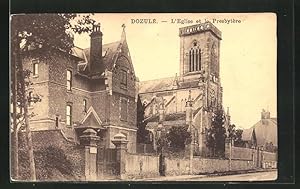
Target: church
[(198, 81)]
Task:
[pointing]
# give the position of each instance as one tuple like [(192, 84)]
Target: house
[(89, 88), (199, 79), (265, 131)]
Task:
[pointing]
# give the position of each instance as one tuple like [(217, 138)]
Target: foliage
[(216, 134), (49, 31), (235, 135), (142, 133), (52, 158), (51, 164), (31, 32), (177, 137), (238, 141), (269, 147)]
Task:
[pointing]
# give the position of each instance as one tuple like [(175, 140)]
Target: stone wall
[(269, 160), (268, 156), (179, 166), (176, 166), (241, 153), (141, 166), (238, 165), (201, 165)]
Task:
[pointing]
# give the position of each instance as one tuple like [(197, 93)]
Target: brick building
[(199, 77), (89, 88)]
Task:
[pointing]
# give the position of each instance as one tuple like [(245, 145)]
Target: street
[(258, 176)]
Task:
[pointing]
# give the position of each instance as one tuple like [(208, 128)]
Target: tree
[(216, 134), (177, 137), (231, 131), (142, 133), (238, 141), (269, 147), (235, 135), (36, 31)]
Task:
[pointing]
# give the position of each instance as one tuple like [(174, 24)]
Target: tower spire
[(123, 36)]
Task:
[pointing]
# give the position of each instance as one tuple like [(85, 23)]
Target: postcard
[(143, 97)]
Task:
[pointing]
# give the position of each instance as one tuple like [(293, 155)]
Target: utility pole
[(189, 119)]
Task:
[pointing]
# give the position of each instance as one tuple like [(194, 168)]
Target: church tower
[(199, 49), (199, 57)]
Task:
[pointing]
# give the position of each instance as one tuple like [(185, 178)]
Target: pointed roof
[(265, 131), (166, 84), (253, 137), (110, 52), (123, 36), (91, 119)]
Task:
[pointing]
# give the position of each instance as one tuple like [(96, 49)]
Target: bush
[(51, 164), (177, 137)]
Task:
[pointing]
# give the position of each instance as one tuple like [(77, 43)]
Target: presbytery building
[(92, 88)]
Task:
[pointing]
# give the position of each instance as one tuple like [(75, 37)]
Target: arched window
[(195, 58)]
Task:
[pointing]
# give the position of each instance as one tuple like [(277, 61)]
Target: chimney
[(96, 50), (265, 115)]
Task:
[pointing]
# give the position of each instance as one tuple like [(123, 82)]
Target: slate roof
[(165, 84), (91, 119), (109, 54), (168, 117), (156, 85), (265, 130)]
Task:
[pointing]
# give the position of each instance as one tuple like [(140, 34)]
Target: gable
[(91, 118), (265, 131)]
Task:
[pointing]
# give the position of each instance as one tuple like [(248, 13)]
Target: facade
[(265, 131), (199, 78), (89, 88)]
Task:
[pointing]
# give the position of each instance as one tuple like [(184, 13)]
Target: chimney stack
[(265, 114), (96, 50)]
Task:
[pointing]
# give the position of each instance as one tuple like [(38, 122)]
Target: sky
[(247, 54)]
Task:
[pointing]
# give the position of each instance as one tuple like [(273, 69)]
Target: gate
[(162, 165), (106, 163)]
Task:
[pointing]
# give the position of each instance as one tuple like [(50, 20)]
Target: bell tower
[(199, 49), (200, 58)]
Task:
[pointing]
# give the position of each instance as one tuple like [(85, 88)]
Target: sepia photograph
[(143, 97)]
